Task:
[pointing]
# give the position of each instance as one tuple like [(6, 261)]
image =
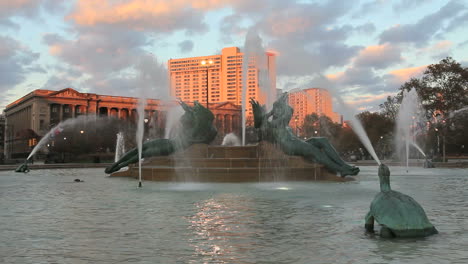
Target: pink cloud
[(367, 99), (402, 75), (141, 14)]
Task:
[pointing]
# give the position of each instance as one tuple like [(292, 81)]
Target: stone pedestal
[(205, 163)]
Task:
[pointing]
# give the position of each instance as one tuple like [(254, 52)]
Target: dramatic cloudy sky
[(365, 49)]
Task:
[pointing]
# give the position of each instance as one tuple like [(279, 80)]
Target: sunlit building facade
[(29, 118), (310, 101), (218, 78)]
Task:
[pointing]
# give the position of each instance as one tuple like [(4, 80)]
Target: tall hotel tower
[(218, 78)]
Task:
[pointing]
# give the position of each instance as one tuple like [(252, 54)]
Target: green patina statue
[(197, 127), (23, 167), (274, 128), (399, 214)]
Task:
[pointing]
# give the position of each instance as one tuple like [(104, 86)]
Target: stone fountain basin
[(256, 163)]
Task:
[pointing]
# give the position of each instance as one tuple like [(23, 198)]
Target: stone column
[(73, 110)]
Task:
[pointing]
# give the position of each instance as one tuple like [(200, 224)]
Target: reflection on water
[(221, 228), (47, 218)]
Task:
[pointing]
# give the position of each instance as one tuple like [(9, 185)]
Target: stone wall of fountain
[(206, 163)]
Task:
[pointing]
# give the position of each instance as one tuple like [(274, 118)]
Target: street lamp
[(207, 64)]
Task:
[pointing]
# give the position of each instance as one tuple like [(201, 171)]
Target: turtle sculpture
[(196, 127), (399, 214)]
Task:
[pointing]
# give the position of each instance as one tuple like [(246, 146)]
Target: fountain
[(139, 134), (315, 159), (410, 116), (254, 53), (231, 140), (119, 146), (56, 130)]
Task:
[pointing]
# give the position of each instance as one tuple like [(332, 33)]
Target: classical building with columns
[(29, 118), (2, 137)]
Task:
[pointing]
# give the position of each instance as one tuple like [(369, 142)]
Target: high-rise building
[(309, 101), (218, 78)]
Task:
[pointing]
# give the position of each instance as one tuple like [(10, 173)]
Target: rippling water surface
[(47, 218)]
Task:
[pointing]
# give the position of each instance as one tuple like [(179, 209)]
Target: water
[(119, 146), (46, 218), (174, 114), (410, 116), (358, 128), (254, 50), (140, 131), (56, 130), (231, 139), (418, 148)]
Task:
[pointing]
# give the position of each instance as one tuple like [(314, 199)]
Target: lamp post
[(207, 64), (382, 144)]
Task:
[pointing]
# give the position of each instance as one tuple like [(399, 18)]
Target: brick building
[(309, 101)]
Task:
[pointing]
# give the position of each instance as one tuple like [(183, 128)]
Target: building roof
[(67, 92)]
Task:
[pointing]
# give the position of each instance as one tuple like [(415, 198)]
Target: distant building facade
[(2, 138), (310, 101), (218, 78), (29, 118)]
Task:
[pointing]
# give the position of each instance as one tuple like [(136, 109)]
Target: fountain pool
[(47, 218)]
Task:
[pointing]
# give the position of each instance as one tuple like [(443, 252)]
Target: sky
[(365, 50)]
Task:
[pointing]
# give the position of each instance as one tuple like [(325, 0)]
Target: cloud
[(143, 15), (355, 76), (378, 56), (104, 60), (367, 28), (422, 31), (400, 76), (16, 62), (405, 5), (98, 51), (366, 99), (28, 9), (186, 46), (437, 51), (369, 7), (306, 36)]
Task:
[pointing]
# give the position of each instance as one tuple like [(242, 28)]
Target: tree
[(322, 126), (390, 107), (443, 88)]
